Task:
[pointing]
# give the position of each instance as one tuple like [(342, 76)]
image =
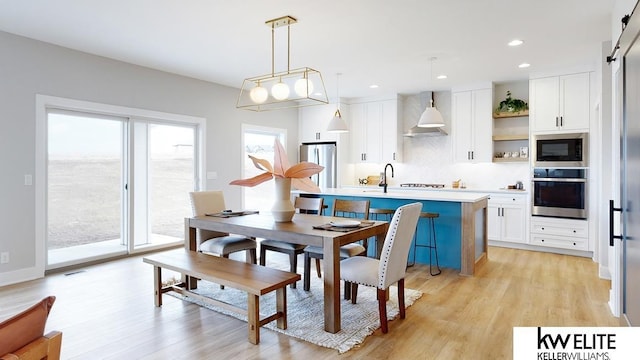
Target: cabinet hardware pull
[(556, 121), (561, 123), (611, 235)]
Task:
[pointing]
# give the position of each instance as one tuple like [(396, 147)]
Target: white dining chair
[(390, 268), (213, 242)]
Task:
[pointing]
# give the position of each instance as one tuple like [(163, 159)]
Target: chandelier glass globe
[(303, 87), (258, 94), (280, 91)]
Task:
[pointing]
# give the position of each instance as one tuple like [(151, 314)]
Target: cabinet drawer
[(560, 227), (560, 242), (507, 199), (557, 230)]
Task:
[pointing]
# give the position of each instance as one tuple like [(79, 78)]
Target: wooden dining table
[(299, 231)]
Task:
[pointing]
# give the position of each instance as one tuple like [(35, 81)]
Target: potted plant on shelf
[(511, 106)]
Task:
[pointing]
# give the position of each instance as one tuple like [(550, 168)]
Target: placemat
[(330, 227), (233, 213)]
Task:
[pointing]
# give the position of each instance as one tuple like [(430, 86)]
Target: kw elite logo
[(578, 346), (576, 343)]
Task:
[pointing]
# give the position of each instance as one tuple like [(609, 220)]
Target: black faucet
[(385, 177)]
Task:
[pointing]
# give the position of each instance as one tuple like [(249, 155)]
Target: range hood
[(420, 131), (415, 131)]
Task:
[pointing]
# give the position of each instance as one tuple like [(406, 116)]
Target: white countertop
[(446, 189), (396, 193)]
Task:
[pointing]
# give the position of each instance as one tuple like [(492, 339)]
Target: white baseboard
[(603, 272), (511, 245), (21, 275)]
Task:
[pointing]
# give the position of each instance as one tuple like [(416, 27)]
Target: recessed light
[(441, 77), (524, 65), (374, 86), (515, 42)]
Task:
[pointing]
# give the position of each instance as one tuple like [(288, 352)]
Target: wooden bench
[(256, 280)]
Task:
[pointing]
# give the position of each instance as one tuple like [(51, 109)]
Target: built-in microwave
[(560, 150)]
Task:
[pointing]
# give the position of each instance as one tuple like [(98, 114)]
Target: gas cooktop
[(419, 185)]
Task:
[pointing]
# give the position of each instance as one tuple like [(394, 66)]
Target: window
[(258, 141)]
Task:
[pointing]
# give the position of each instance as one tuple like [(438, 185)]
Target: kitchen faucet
[(384, 184)]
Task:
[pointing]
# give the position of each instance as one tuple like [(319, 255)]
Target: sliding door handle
[(611, 235)]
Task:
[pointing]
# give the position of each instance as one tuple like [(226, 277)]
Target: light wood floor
[(106, 311)]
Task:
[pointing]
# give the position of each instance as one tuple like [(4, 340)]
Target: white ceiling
[(388, 43)]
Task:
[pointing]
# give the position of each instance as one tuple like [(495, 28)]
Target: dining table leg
[(380, 237), (331, 277), (191, 245)]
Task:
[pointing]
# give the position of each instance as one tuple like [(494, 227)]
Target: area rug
[(305, 317)]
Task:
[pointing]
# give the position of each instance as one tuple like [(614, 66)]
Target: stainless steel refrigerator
[(324, 154)]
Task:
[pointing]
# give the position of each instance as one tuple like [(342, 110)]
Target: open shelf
[(509, 137), (503, 115), (511, 159)]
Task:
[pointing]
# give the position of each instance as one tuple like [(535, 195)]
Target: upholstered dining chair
[(303, 205), (390, 268), (342, 208), (213, 242)]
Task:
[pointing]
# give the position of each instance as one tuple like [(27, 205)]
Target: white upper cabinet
[(391, 131), (374, 131), (313, 121), (472, 127), (560, 103)]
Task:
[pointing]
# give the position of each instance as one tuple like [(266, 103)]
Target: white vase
[(283, 209)]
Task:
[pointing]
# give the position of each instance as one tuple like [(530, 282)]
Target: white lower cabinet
[(560, 233), (507, 220)]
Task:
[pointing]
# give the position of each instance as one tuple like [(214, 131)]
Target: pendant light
[(291, 88), (431, 117), (337, 124)]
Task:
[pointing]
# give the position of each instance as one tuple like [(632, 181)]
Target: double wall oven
[(559, 184)]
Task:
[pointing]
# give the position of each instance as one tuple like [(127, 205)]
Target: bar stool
[(380, 214), (432, 245)]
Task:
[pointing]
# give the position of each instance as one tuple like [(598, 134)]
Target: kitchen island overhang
[(461, 228)]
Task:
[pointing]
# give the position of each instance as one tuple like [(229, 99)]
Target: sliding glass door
[(164, 171), (116, 185), (85, 181)]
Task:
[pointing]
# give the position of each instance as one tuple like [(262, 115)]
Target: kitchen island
[(461, 228)]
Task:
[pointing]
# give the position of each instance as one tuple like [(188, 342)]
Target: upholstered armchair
[(22, 335)]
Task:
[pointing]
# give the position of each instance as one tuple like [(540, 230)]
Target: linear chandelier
[(286, 89)]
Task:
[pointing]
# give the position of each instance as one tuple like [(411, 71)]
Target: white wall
[(29, 67)]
